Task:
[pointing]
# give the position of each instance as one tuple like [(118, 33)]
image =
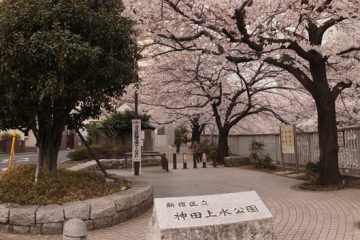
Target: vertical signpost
[(136, 146), (288, 143)]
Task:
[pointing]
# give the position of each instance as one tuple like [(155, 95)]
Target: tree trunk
[(329, 167), (325, 106), (49, 139), (196, 132), (195, 135), (223, 148), (48, 154)]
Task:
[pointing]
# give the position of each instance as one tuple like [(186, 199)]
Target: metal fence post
[(296, 152), (281, 152)]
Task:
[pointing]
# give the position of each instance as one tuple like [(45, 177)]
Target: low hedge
[(17, 186), (100, 151)]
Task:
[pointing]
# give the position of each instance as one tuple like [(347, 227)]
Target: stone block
[(21, 229), (23, 215), (35, 229), (4, 213), (50, 214), (119, 217), (102, 222), (148, 192), (101, 207), (6, 228), (75, 229), (79, 210), (147, 204), (89, 225), (122, 202), (229, 216), (132, 212), (52, 228), (137, 197)]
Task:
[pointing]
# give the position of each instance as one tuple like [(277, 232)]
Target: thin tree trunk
[(329, 168), (83, 140)]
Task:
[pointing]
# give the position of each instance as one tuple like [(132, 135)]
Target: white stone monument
[(213, 217)]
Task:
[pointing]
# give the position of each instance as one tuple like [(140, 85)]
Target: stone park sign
[(214, 217)]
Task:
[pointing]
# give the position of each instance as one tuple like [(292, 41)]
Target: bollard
[(184, 161), (163, 161), (174, 161), (204, 160), (74, 229), (195, 161), (166, 165)]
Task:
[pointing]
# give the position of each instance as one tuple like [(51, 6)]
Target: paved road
[(23, 158), (304, 215)]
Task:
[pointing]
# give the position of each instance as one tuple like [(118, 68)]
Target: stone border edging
[(96, 213), (113, 164), (234, 161)]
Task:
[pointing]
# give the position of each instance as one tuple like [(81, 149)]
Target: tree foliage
[(118, 122), (60, 63)]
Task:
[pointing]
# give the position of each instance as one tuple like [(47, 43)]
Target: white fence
[(307, 146)]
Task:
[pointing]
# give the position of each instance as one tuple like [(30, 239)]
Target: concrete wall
[(161, 141), (167, 139), (240, 144)]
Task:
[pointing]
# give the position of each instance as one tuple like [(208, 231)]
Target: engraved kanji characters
[(180, 216)]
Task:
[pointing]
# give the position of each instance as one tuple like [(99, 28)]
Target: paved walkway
[(297, 214)]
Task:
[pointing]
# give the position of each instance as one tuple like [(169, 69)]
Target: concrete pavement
[(331, 215)]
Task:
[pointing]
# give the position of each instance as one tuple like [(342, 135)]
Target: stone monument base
[(224, 217)]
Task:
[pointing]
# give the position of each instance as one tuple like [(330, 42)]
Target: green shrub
[(313, 167), (257, 156), (100, 151), (17, 186), (210, 149)]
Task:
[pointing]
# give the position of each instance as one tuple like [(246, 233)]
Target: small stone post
[(204, 159), (74, 229)]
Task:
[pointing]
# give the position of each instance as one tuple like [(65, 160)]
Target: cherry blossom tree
[(305, 38), (192, 84)]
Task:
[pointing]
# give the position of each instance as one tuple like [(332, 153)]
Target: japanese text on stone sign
[(201, 210), (136, 126)]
